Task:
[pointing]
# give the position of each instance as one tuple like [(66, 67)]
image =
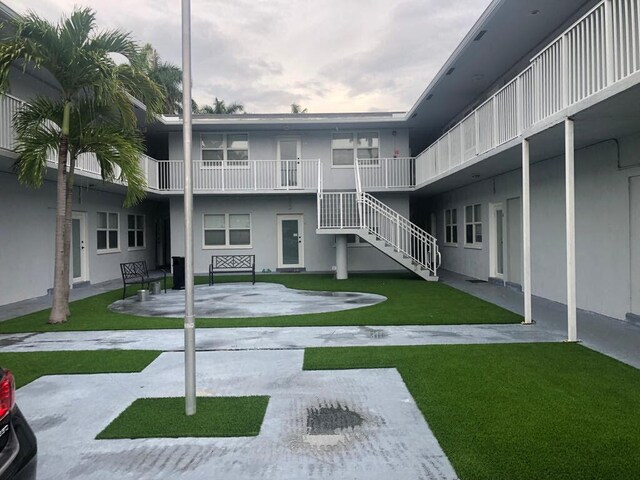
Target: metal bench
[(134, 273), (232, 264)]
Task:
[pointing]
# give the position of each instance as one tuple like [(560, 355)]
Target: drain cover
[(332, 419)]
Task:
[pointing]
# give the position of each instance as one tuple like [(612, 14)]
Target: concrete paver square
[(374, 428)]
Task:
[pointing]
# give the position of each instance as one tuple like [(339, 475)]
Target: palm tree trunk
[(60, 273), (68, 210)]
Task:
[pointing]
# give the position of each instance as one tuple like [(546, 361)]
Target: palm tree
[(82, 63), (167, 75), (296, 108), (220, 108)]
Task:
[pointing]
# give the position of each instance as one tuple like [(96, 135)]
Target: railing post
[(398, 231), (255, 176), (476, 125), (564, 51), (609, 42), (386, 173), (519, 106), (341, 210), (494, 114)]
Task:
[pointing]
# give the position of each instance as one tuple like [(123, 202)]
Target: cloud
[(327, 55)]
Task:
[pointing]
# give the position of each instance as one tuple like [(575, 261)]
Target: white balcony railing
[(387, 173), (8, 107), (600, 49), (238, 176)]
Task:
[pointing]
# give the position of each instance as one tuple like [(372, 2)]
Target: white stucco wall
[(316, 144), (602, 225), (319, 250), (27, 229)]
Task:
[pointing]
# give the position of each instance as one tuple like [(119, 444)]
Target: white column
[(572, 334), (342, 272), (526, 233)]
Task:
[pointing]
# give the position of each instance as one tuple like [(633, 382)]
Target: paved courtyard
[(390, 439)]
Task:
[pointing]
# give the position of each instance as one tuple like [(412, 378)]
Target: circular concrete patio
[(241, 300)]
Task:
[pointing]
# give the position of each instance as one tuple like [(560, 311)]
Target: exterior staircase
[(359, 213)]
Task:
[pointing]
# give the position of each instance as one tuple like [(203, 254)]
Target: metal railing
[(8, 107), (240, 175), (387, 173), (600, 49)]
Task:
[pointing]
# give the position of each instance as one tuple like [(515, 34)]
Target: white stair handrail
[(399, 232)]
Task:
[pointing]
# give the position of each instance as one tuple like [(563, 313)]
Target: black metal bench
[(134, 273), (232, 264)]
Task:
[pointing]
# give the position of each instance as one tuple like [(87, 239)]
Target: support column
[(526, 234), (572, 333), (342, 272)]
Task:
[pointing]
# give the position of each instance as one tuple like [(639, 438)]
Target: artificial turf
[(520, 411), (165, 418), (29, 366), (410, 301)]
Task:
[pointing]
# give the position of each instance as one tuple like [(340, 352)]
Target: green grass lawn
[(411, 301), (215, 417), (29, 366), (525, 411)]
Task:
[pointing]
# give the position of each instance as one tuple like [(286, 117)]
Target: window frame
[(224, 163), (354, 138), (227, 229), (136, 230), (101, 251), (473, 223), (455, 239)]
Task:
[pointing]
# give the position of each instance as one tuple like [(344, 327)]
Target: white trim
[(224, 163), (354, 136), (474, 244), (291, 216), (451, 244), (102, 251), (84, 248), (493, 240), (298, 139), (227, 246), (144, 232)]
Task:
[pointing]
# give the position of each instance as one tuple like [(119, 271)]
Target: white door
[(634, 212), (497, 220), (290, 241), (289, 152), (79, 264)]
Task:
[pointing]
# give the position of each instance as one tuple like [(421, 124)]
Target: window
[(108, 232), (227, 230), (135, 231), (346, 147), (473, 225), (231, 149), (451, 226)]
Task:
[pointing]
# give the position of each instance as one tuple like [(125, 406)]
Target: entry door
[(289, 152), (79, 270), (514, 241), (290, 241), (634, 211), (497, 240)]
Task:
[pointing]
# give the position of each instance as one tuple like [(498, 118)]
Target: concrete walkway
[(390, 440)]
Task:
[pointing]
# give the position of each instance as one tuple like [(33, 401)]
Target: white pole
[(526, 233), (342, 272), (571, 231), (189, 324)]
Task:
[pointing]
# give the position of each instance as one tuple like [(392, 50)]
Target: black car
[(18, 447)]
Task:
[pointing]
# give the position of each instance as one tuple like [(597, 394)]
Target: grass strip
[(29, 366), (410, 301), (165, 418), (520, 411)]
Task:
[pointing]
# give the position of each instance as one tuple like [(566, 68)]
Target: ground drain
[(477, 281), (330, 420)]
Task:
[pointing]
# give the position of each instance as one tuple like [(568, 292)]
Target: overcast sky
[(326, 55)]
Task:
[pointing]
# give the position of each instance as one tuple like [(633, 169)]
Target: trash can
[(178, 273)]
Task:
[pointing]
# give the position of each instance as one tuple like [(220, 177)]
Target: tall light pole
[(189, 322)]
